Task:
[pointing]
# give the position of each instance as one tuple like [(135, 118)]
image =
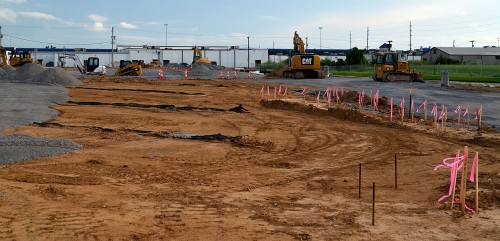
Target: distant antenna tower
[(390, 44), (472, 41)]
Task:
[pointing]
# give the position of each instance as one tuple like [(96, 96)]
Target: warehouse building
[(229, 56), (469, 55)]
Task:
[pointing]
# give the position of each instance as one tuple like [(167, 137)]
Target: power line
[(52, 43)]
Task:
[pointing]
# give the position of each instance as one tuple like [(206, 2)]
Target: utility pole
[(350, 40), (453, 43), (410, 36), (273, 44), (112, 46), (166, 35), (367, 34), (320, 28), (248, 53), (1, 36)]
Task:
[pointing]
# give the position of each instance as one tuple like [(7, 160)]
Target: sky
[(263, 24)]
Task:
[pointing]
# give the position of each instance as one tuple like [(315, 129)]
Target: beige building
[(469, 55)]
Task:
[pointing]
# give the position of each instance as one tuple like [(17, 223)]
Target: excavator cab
[(92, 64)]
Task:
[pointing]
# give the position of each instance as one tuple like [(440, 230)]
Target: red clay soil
[(288, 170)]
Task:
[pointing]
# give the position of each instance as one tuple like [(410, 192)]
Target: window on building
[(497, 57)]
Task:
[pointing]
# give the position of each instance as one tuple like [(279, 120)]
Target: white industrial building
[(229, 56)]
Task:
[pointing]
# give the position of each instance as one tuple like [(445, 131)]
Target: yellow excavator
[(198, 56), (127, 67), (301, 65), (390, 66), (18, 59)]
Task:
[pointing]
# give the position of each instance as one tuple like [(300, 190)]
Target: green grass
[(465, 73)]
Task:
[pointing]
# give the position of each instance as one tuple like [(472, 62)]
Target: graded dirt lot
[(181, 160)]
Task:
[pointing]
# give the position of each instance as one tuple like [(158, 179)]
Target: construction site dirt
[(221, 160)]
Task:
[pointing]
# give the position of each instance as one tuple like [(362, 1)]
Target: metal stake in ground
[(395, 171), (359, 183), (373, 206)]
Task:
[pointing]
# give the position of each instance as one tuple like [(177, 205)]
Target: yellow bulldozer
[(18, 59), (301, 65), (391, 66), (198, 56), (127, 67)]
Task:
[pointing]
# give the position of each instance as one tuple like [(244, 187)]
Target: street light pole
[(166, 35), (320, 28), (248, 52)]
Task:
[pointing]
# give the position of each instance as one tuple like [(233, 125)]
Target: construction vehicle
[(3, 56), (18, 59), (301, 65), (129, 68), (391, 66), (91, 66), (198, 56)]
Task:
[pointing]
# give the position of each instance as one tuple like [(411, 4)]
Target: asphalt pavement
[(432, 91)]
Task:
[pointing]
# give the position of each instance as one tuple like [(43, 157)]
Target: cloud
[(38, 15), (97, 18), (98, 25), (128, 25), (13, 1), (7, 15)]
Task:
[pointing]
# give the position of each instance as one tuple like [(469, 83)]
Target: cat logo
[(307, 60)]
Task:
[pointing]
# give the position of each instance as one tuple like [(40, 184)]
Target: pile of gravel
[(35, 73), (26, 72), (5, 71), (16, 148), (57, 76), (7, 68)]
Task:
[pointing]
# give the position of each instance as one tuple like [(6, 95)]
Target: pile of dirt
[(35, 73), (338, 113), (278, 72)]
